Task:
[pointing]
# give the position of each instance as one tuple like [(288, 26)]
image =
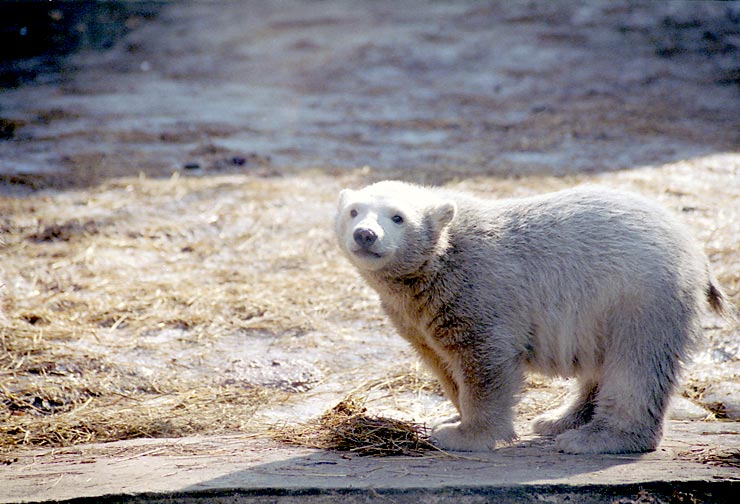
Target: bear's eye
[(353, 213), (397, 219)]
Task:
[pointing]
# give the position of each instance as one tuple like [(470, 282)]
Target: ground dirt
[(166, 204)]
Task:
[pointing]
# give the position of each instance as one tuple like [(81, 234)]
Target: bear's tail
[(719, 303), (716, 298)]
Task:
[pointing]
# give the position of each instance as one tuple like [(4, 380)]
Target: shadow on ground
[(528, 472), (432, 93)]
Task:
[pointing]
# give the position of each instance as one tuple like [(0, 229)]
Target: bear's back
[(583, 223), (583, 247)]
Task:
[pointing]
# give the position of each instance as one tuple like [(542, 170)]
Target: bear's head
[(392, 227)]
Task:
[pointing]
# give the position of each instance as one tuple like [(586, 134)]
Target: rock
[(684, 409)]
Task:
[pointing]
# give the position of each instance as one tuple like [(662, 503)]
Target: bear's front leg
[(440, 370), (487, 392)]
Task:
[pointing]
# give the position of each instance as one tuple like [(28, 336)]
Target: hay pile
[(348, 428)]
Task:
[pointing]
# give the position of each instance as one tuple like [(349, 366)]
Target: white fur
[(600, 285)]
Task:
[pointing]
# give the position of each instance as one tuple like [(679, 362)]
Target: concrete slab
[(691, 465)]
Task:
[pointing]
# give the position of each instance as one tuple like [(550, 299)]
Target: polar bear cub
[(590, 283)]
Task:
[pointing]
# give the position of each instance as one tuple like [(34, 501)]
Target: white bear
[(591, 283)]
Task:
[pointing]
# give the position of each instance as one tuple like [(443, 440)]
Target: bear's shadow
[(530, 462)]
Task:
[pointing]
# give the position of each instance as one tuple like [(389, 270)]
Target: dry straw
[(723, 457), (90, 281), (347, 427)]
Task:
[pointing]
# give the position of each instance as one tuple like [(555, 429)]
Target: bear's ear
[(443, 213), (344, 196)]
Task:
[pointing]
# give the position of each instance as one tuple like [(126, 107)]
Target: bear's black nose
[(364, 237)]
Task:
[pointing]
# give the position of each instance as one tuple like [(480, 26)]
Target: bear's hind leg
[(600, 436), (637, 378), (574, 414), (628, 417)]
